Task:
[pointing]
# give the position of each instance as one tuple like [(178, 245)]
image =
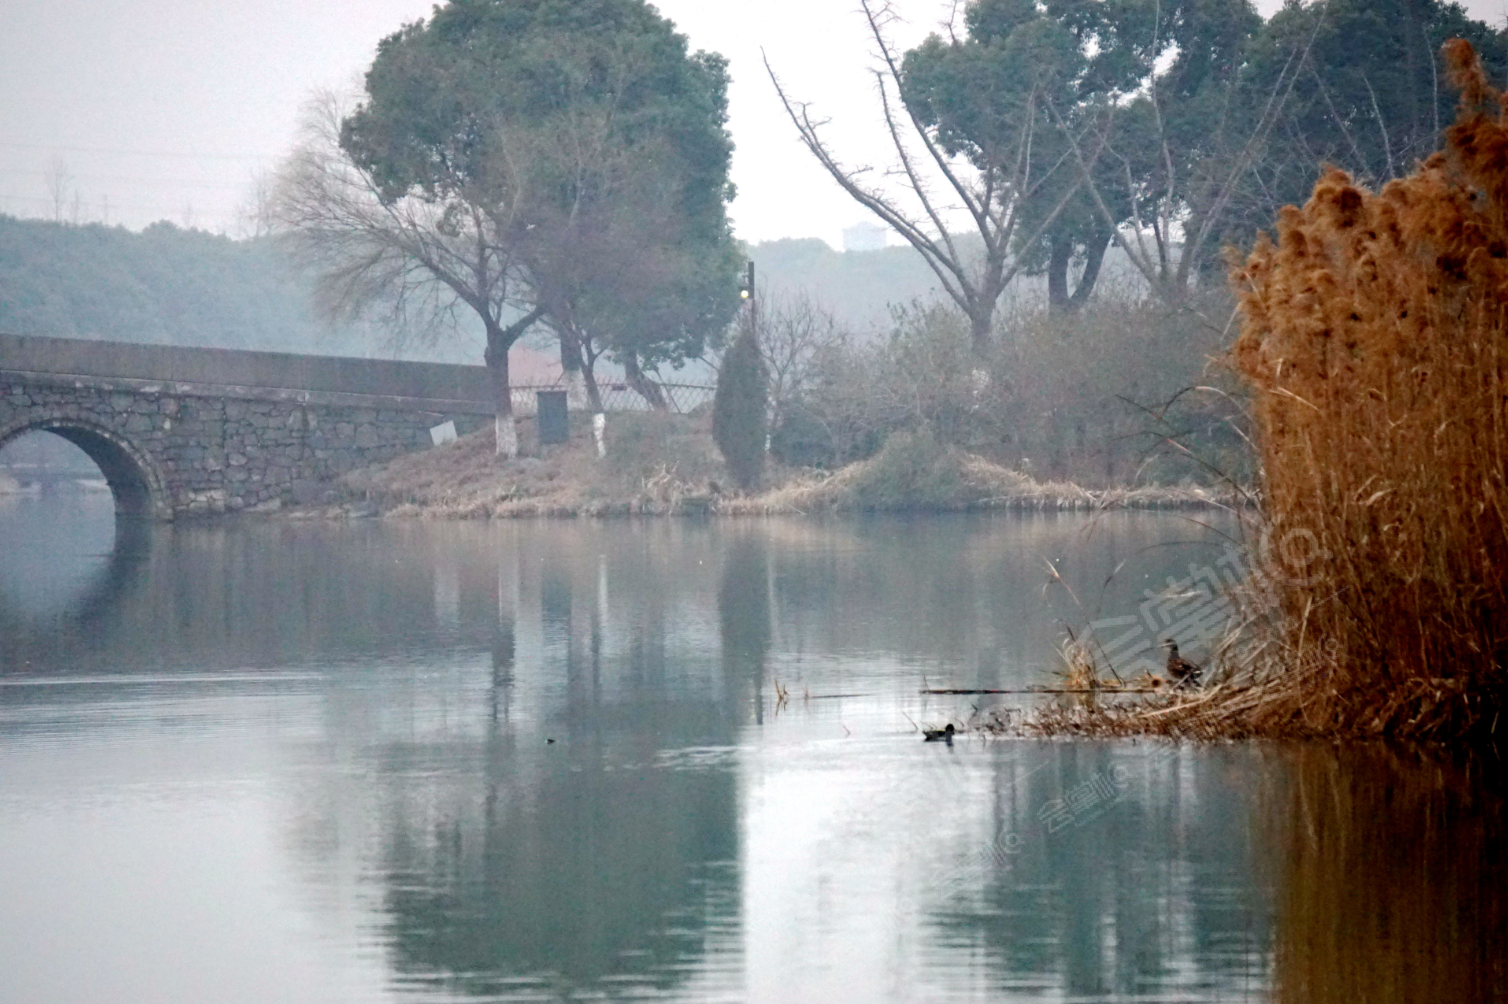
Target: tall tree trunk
[(1416, 49), (504, 426), (594, 399), (646, 388), (571, 367), (1057, 274), (1059, 299), (580, 368), (499, 341), (1094, 258), (593, 393), (981, 319), (579, 363)]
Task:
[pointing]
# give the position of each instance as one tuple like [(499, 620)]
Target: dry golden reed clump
[(1376, 344)]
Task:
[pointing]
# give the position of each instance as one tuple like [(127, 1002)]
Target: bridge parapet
[(271, 376)]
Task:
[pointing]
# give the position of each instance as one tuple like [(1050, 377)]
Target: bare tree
[(255, 213), (936, 185), (427, 263), (793, 329), (59, 185)]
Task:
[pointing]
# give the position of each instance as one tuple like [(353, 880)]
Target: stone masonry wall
[(218, 453)]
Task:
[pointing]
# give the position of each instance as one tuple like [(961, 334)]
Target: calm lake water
[(549, 761)]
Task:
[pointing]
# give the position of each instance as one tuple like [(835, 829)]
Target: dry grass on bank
[(656, 464), (668, 464), (1376, 346), (915, 473), (1264, 687)]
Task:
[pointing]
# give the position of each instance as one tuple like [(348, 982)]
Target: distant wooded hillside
[(857, 286), (167, 285), (860, 287), (174, 286)]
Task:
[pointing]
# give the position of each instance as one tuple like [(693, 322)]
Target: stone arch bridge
[(181, 430)]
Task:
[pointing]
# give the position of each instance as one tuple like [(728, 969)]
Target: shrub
[(738, 409), (912, 471), (1099, 396), (641, 444)]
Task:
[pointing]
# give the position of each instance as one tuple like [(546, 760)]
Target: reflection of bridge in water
[(70, 553)]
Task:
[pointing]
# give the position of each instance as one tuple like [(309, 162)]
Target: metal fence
[(680, 398)]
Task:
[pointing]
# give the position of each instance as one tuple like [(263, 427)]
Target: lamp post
[(746, 292)]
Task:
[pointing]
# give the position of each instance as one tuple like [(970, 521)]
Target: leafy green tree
[(1233, 118), (738, 408), (1179, 135), (1370, 94), (510, 154)]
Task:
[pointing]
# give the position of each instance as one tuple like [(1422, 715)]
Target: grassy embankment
[(1375, 345), (668, 465)]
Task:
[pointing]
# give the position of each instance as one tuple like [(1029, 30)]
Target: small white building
[(866, 236)]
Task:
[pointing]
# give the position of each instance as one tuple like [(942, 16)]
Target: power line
[(127, 179), (90, 205), (141, 153)]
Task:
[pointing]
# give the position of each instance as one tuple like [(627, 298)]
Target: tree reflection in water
[(1144, 891), (395, 685), (592, 863), (1391, 877), (743, 608)]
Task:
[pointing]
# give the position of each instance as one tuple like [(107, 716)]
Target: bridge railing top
[(228, 368), (442, 387)]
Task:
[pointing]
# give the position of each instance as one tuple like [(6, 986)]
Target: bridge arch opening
[(133, 479)]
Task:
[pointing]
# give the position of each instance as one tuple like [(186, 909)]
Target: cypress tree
[(738, 409)]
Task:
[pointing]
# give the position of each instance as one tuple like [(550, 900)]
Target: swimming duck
[(938, 735), (1183, 672)]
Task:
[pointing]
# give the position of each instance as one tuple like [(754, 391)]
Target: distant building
[(865, 236), (532, 368)]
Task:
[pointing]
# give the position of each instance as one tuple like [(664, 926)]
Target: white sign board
[(443, 433)]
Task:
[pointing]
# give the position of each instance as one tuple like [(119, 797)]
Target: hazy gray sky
[(168, 108)]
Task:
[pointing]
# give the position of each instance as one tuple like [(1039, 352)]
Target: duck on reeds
[(943, 735), (1182, 672)]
